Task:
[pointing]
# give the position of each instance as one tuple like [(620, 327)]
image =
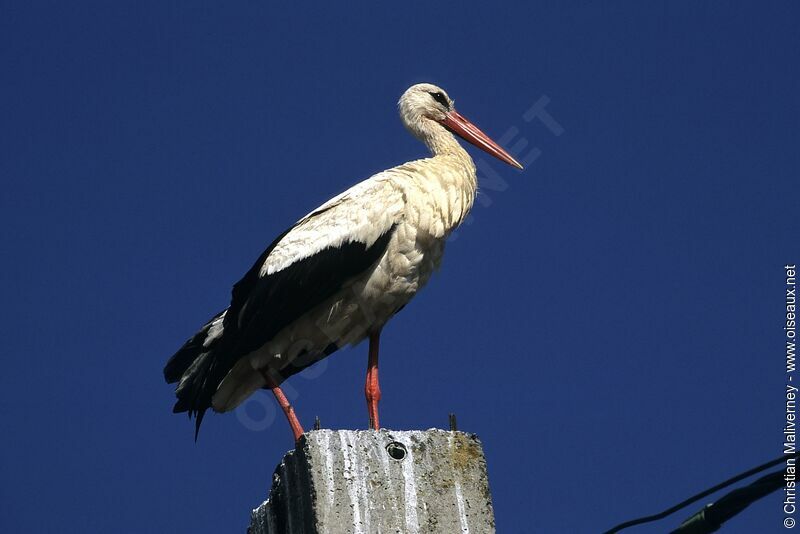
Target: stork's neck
[(443, 144), (445, 185)]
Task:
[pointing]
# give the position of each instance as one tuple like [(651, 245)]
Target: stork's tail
[(193, 365)]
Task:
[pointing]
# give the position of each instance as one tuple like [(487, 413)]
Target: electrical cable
[(695, 498)]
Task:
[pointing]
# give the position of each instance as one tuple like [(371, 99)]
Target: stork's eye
[(440, 98)]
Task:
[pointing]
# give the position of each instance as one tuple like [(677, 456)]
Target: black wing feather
[(277, 300)]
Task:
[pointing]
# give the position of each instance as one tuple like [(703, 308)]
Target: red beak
[(459, 125)]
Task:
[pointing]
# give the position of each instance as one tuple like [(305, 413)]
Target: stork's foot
[(372, 388), (294, 423), (373, 394)]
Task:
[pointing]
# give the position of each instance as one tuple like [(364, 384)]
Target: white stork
[(339, 273)]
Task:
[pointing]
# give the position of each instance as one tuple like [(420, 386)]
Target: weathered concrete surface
[(367, 482)]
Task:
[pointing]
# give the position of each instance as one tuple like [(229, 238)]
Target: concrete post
[(365, 482)]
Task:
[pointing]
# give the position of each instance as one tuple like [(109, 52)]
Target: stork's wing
[(311, 261), (304, 266)]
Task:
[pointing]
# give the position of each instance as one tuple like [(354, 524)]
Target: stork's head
[(425, 107)]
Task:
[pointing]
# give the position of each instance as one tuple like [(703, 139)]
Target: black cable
[(695, 498), (711, 517)]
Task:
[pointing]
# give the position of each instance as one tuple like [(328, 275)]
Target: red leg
[(297, 429), (372, 388)]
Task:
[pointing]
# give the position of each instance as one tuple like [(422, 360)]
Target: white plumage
[(353, 262)]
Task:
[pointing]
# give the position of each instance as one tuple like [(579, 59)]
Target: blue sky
[(609, 322)]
